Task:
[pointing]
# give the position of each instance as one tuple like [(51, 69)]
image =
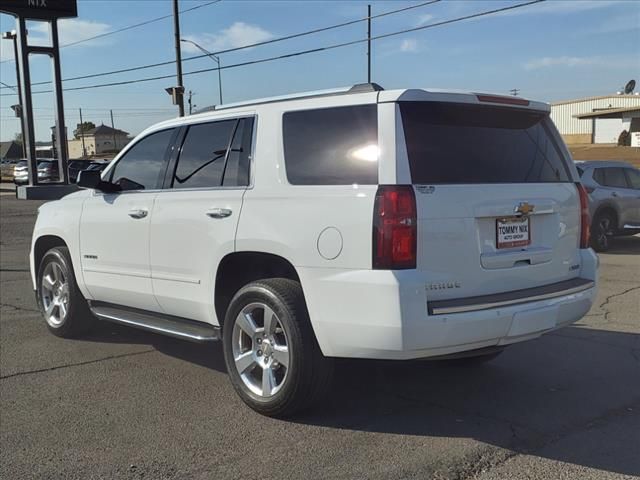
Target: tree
[(83, 127)]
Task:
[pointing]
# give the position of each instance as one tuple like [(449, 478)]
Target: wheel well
[(43, 245), (238, 269)]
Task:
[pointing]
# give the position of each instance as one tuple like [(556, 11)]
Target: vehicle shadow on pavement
[(625, 245), (554, 397)]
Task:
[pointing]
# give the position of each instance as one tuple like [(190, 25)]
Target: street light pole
[(176, 29), (213, 57)]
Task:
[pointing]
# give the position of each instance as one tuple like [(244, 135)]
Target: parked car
[(75, 167), (48, 171), (358, 223), (614, 200), (20, 173), (7, 166)]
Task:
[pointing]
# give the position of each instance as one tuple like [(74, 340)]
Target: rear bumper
[(383, 314)]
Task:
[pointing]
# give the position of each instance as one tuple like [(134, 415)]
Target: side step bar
[(156, 322)]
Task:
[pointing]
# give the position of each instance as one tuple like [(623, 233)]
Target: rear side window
[(634, 178), (144, 163), (332, 146), (215, 154), (468, 144)]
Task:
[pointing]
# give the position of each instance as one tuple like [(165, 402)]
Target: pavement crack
[(610, 297), (17, 308), (78, 364)]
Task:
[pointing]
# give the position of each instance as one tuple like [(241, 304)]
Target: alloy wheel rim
[(260, 349), (55, 294), (603, 240)]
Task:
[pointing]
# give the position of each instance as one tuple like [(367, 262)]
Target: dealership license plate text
[(513, 232)]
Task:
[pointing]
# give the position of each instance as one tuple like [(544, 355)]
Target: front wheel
[(64, 308), (272, 357), (602, 232)]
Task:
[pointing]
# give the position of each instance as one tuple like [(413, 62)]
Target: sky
[(550, 51)]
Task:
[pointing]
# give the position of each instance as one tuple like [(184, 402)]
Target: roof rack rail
[(358, 88)]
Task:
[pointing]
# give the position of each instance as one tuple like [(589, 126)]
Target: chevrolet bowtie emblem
[(524, 208)]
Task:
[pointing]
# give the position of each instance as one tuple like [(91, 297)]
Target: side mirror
[(92, 179)]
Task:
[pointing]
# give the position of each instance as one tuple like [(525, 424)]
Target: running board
[(156, 322)]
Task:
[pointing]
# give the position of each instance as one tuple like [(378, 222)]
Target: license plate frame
[(517, 238)]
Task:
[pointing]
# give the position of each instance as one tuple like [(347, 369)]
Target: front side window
[(215, 154), (143, 166), (332, 146), (614, 177)]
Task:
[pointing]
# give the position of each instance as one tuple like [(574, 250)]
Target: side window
[(236, 172), (201, 162), (144, 164), (634, 178), (332, 146), (614, 177)]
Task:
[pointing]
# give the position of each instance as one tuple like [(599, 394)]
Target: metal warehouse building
[(620, 112)]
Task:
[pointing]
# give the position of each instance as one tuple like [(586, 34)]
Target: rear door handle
[(219, 212), (138, 212)]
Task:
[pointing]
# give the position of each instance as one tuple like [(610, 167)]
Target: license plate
[(512, 232)]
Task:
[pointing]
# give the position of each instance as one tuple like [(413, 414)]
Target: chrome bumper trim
[(518, 297)]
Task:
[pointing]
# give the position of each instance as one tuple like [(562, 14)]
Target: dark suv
[(614, 200)]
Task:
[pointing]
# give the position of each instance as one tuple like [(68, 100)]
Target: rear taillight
[(585, 221), (395, 236)]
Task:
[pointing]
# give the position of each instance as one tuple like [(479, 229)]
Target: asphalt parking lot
[(126, 404)]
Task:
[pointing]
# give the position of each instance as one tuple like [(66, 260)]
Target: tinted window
[(456, 143), (634, 178), (580, 170), (201, 162), (614, 177), (333, 146), (598, 176), (236, 172), (144, 163)]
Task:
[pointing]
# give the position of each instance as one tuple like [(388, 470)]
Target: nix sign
[(40, 9)]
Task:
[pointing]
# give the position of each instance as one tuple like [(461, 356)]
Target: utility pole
[(115, 145), (84, 150), (368, 43), (176, 29), (514, 91)]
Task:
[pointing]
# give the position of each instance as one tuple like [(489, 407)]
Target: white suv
[(358, 223)]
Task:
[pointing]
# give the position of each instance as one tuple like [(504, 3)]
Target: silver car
[(614, 200)]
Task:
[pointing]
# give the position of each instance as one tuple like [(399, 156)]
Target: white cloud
[(562, 7), (70, 30), (409, 45), (572, 62), (239, 34), (424, 19)]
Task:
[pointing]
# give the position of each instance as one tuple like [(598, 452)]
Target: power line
[(253, 45), (305, 52), (130, 27)]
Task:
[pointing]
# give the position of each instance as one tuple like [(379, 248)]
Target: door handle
[(614, 194), (219, 212), (138, 212)]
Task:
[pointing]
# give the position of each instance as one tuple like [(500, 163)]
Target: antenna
[(628, 88)]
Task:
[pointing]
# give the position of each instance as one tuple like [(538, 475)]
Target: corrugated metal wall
[(563, 115)]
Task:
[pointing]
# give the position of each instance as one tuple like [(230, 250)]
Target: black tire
[(78, 318), (602, 229), (308, 374)]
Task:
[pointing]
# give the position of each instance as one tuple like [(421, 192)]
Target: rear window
[(332, 146), (468, 144)]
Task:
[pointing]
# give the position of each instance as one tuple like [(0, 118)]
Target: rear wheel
[(272, 357), (602, 231), (64, 308)]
